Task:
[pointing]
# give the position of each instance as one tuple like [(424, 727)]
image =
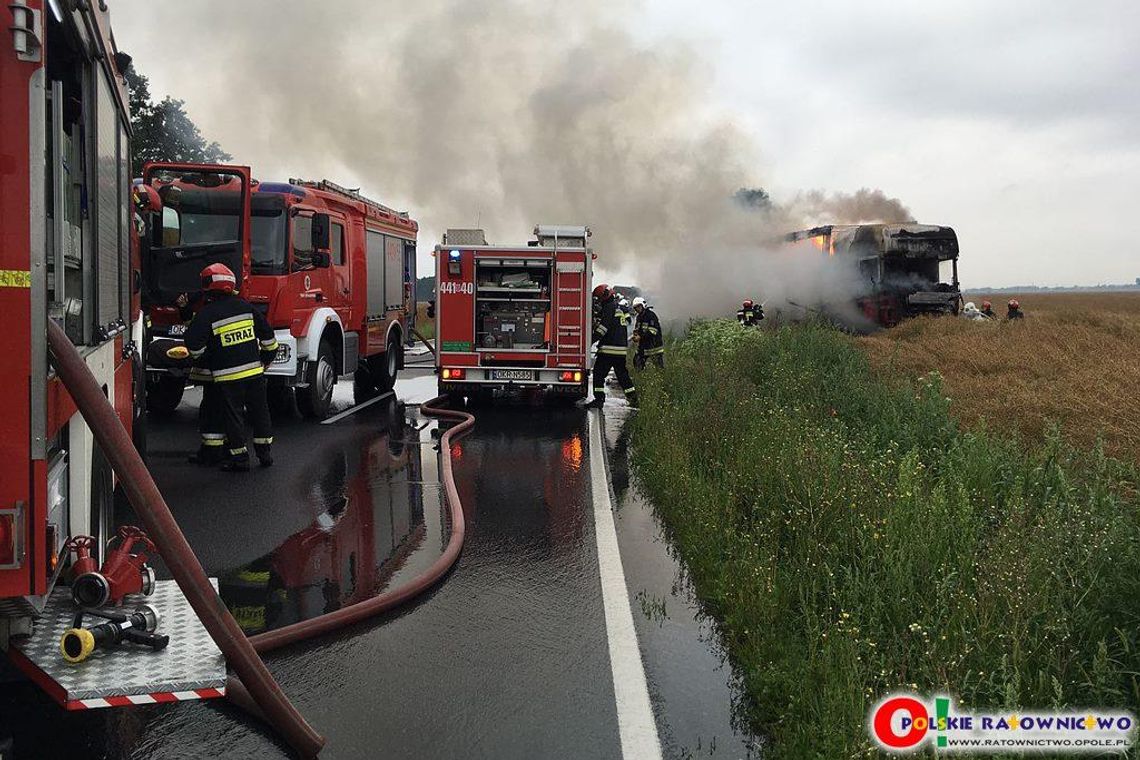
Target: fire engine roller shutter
[(375, 291), (394, 272), (125, 274), (109, 256)]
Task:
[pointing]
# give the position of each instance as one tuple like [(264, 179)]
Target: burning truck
[(900, 270)]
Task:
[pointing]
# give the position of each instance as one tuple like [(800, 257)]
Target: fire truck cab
[(514, 318), (333, 272)]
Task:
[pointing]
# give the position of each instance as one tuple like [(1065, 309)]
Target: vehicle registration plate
[(512, 374), (178, 329)]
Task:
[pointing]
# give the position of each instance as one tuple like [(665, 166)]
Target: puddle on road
[(376, 513)]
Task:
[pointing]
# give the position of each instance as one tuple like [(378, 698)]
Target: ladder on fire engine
[(570, 317), (331, 187)]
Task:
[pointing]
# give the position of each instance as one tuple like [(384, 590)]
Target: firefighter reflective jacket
[(230, 339), (648, 330), (749, 317), (611, 333)]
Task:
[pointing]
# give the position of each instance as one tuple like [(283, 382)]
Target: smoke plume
[(504, 113), (862, 206)]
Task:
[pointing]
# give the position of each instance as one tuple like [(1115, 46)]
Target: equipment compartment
[(512, 304)]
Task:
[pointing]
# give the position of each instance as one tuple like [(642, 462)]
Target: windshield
[(200, 223), (268, 241)]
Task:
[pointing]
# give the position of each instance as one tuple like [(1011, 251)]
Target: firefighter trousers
[(642, 358), (211, 429), (235, 397), (602, 366)]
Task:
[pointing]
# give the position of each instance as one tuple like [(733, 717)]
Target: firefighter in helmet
[(211, 451), (1013, 310), (750, 313), (647, 336), (611, 335), (988, 310), (235, 343)]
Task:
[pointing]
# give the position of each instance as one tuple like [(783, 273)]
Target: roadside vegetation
[(424, 324), (853, 539)]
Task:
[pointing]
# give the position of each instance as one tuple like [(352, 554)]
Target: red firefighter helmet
[(219, 278), (986, 305), (602, 292), (1013, 304), (748, 303)]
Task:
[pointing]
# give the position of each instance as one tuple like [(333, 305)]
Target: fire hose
[(262, 697), (164, 531), (354, 613)]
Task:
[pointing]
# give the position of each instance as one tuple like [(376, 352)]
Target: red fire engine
[(68, 252), (65, 247), (333, 271), (513, 318)]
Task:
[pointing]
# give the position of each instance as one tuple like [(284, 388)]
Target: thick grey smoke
[(863, 206), (503, 113)]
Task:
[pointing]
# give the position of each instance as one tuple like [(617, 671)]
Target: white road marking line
[(357, 408), (636, 725)]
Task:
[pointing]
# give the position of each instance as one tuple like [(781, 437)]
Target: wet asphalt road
[(506, 658)]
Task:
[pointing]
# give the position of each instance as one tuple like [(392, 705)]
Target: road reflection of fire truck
[(371, 520), (541, 455)]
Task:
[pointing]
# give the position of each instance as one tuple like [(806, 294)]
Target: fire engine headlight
[(282, 354)]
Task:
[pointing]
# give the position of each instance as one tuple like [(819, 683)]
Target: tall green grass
[(852, 541)]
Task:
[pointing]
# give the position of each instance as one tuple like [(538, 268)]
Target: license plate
[(512, 374), (178, 329)]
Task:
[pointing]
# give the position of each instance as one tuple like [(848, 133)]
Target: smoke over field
[(504, 113)]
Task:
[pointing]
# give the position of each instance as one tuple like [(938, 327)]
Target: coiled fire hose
[(265, 698), (164, 531)]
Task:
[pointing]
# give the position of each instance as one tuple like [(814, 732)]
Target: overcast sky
[(1015, 122)]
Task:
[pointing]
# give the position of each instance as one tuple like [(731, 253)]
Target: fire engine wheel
[(164, 393), (314, 400), (389, 366)]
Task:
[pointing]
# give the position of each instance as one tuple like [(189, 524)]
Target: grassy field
[(1074, 360), (853, 539), (425, 326)]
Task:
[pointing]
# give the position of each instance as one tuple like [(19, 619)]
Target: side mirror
[(321, 259), (320, 233)]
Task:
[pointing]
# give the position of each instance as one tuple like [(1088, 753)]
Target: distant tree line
[(163, 131)]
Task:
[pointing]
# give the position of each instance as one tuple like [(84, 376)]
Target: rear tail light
[(11, 544), (454, 374), (571, 377)]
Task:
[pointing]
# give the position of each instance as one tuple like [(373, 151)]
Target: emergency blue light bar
[(281, 187)]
